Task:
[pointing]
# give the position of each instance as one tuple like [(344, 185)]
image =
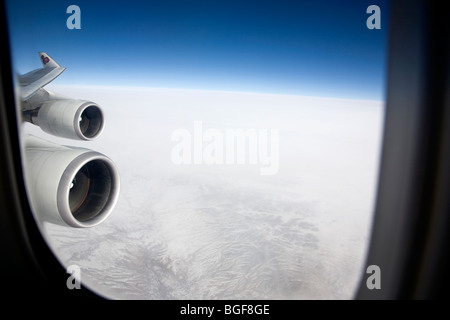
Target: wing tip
[(47, 61)]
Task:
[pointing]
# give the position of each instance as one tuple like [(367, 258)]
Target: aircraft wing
[(32, 81), (70, 186)]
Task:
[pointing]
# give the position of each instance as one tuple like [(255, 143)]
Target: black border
[(410, 237), (28, 268)]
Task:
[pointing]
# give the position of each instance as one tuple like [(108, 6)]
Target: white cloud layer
[(226, 231)]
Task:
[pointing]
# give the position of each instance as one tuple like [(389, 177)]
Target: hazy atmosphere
[(224, 231)]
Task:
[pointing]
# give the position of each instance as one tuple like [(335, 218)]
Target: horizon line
[(216, 90)]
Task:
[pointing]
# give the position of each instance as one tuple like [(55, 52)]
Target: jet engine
[(68, 118), (67, 184)]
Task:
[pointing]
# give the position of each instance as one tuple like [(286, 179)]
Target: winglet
[(34, 80), (47, 61)]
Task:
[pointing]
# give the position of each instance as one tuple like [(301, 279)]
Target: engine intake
[(73, 119), (85, 182), (68, 118)]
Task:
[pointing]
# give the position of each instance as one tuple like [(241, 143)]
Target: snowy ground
[(224, 231)]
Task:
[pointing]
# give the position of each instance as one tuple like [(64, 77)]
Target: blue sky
[(318, 48)]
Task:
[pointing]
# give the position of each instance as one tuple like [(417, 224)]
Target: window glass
[(246, 136)]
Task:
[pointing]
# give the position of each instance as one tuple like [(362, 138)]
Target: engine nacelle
[(74, 185), (73, 119)]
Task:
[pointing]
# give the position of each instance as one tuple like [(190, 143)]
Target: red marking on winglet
[(45, 60)]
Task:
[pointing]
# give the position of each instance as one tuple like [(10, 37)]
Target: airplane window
[(203, 150)]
